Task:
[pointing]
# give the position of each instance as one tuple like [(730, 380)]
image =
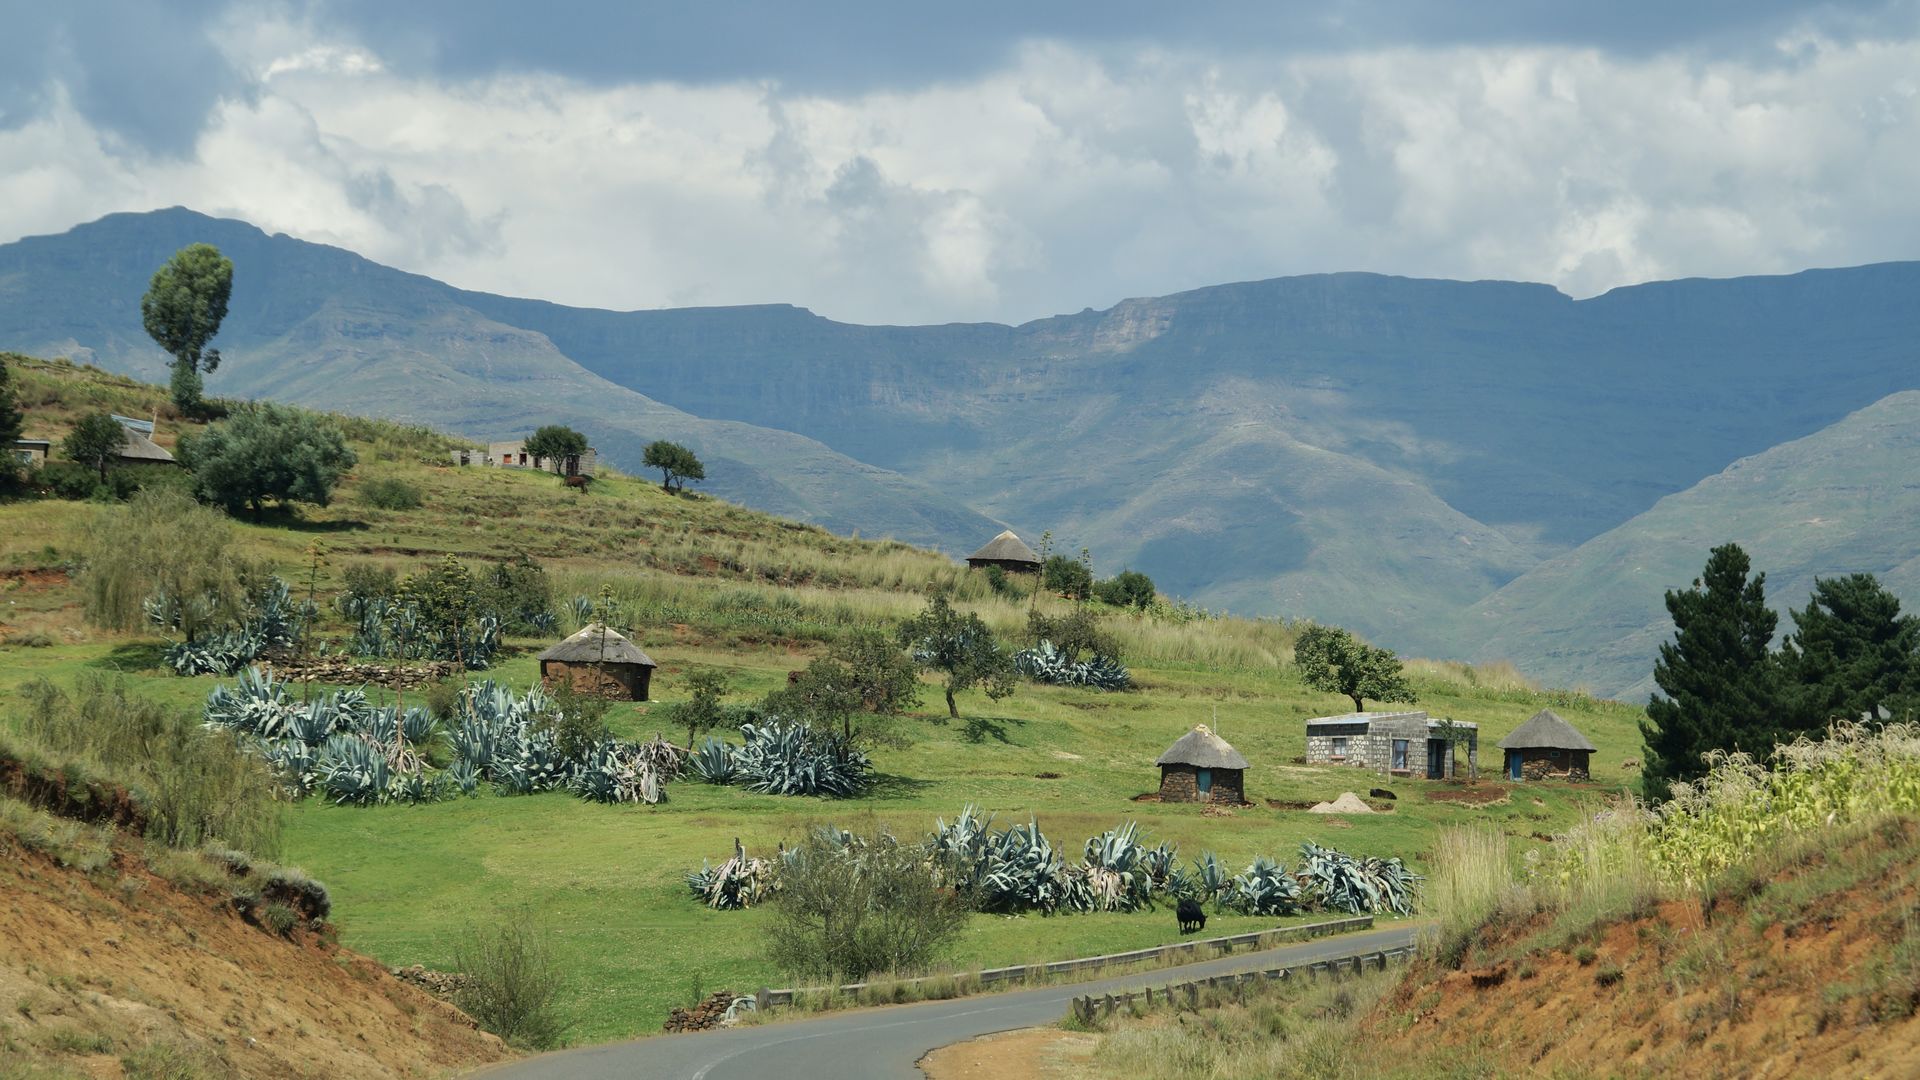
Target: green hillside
[(711, 584), (1837, 502), (1375, 451)]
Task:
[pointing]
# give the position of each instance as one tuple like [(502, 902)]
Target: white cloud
[(1065, 179)]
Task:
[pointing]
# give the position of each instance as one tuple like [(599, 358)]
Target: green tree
[(826, 695), (1073, 634), (163, 545), (96, 442), (554, 444), (1335, 661), (1718, 681), (1071, 578), (676, 463), (883, 675), (1851, 653), (853, 905), (11, 423), (960, 647), (266, 452), (702, 711), (182, 310), (1128, 588)]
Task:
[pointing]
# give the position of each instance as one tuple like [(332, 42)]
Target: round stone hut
[(1008, 552), (1547, 747), (1202, 767), (599, 661)]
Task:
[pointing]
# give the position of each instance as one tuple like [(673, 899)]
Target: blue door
[(1205, 780), (1513, 765)]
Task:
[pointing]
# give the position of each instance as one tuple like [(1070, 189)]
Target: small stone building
[(1008, 552), (512, 454), (31, 453), (1547, 747), (1391, 744), (599, 661), (1202, 767)]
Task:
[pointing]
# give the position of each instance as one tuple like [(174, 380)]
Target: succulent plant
[(712, 762), (1044, 663), (740, 882), (1341, 882), (1265, 888), (779, 758)]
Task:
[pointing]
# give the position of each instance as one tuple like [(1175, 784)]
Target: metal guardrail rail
[(1184, 950), (1085, 1009)]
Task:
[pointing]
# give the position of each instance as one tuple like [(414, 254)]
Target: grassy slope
[(718, 585)]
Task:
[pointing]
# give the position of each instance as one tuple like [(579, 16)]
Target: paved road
[(884, 1043)]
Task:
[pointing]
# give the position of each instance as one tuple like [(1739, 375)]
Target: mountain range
[(1461, 469)]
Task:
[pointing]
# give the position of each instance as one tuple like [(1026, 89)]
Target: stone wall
[(1181, 783), (1539, 763), (1320, 743)]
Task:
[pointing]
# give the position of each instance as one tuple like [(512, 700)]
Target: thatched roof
[(1202, 749), (1006, 548), (598, 644), (1546, 731), (138, 447)]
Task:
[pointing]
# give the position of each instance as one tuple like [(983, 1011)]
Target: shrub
[(170, 1060), (794, 759), (266, 451), (1128, 588), (1071, 578), (390, 493), (513, 983), (66, 480), (853, 905), (163, 544)]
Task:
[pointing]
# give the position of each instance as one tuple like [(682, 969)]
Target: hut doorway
[(1436, 759), (1204, 780), (1513, 765)]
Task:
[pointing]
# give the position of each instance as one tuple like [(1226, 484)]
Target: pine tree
[(1720, 681), (1851, 652)]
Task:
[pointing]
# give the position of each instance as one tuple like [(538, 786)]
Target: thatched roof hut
[(137, 447), (1008, 552), (1202, 767), (599, 660), (1547, 746)]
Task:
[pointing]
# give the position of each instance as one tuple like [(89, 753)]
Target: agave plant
[(1341, 882), (353, 771), (1044, 663), (959, 851), (615, 772), (738, 883), (1022, 872), (1264, 888), (713, 762), (1210, 879), (1164, 874), (1115, 877), (415, 787), (780, 758)]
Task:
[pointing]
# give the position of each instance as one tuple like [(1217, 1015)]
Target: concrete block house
[(1547, 747), (1201, 767), (1390, 743), (599, 661)]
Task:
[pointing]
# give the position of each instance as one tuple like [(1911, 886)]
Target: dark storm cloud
[(866, 44), (147, 72)]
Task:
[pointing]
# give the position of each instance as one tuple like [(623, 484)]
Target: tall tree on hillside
[(95, 442), (958, 645), (1719, 684), (676, 463), (1335, 661), (11, 423), (1851, 652), (554, 444), (182, 311)]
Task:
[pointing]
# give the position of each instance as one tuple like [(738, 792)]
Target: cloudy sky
[(889, 162)]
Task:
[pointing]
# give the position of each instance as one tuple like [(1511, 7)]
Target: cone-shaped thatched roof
[(598, 644), (1202, 749), (1006, 548), (1545, 731)]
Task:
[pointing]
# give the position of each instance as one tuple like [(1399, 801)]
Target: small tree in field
[(863, 905), (1071, 578), (554, 444), (268, 452), (162, 544), (11, 422), (883, 675), (702, 710), (1128, 588), (1334, 661), (676, 463), (959, 646), (95, 442), (182, 311)]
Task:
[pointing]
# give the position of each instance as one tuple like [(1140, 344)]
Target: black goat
[(1192, 916)]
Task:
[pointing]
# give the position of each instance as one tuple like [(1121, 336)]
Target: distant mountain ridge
[(1376, 451)]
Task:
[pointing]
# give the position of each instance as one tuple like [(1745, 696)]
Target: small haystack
[(1347, 803)]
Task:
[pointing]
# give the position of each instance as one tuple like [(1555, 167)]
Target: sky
[(907, 163)]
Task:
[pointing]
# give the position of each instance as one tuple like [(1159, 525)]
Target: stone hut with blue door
[(1547, 747), (1202, 767)]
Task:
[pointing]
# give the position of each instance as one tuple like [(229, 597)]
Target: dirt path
[(1023, 1054)]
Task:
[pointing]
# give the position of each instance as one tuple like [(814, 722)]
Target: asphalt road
[(884, 1043)]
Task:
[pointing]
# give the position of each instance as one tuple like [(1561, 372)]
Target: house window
[(1340, 746), (1399, 753), (1554, 753)]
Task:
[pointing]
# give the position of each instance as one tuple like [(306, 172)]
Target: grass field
[(716, 585)]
